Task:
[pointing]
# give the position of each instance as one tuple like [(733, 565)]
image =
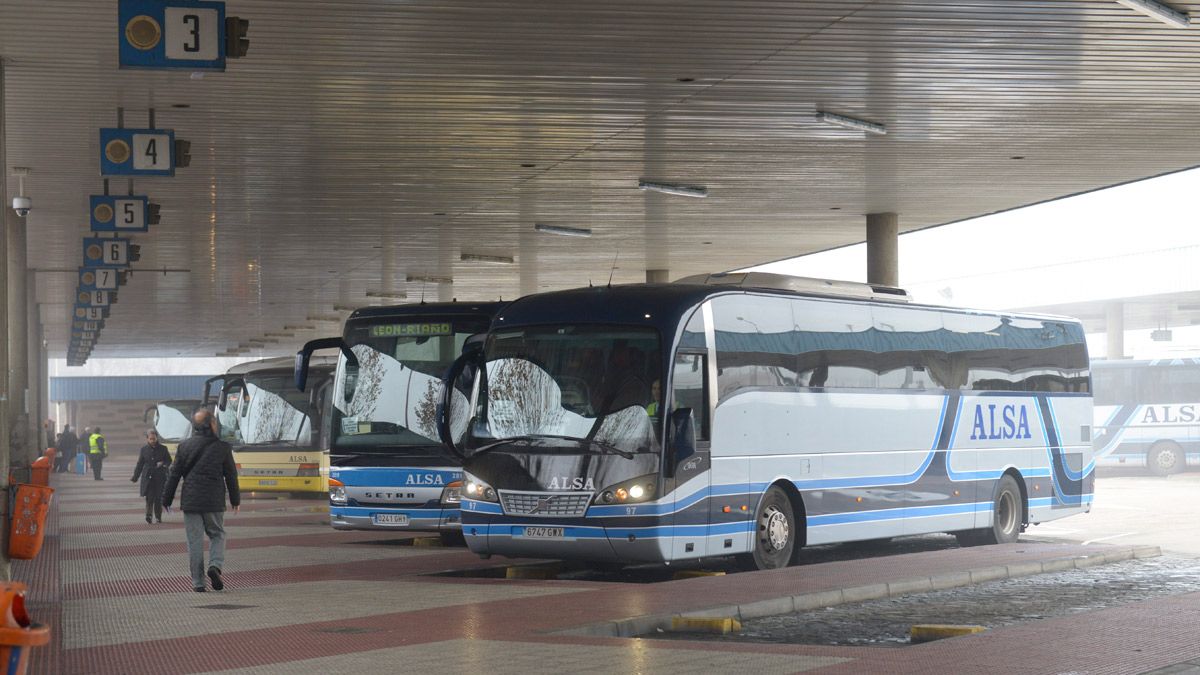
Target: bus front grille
[(546, 504)]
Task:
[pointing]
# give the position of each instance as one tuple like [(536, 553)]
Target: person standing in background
[(66, 449), (97, 451)]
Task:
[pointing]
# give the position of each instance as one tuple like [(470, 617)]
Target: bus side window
[(689, 390)]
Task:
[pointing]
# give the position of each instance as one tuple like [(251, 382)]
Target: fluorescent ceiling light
[(476, 257), (395, 295), (292, 326), (1157, 10), (564, 231), (428, 279), (279, 335), (669, 189), (324, 317), (851, 123)]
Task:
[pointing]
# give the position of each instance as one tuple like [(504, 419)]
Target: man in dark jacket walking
[(153, 462), (205, 465)]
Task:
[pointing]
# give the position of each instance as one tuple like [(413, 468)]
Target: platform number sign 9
[(172, 34), (137, 152)]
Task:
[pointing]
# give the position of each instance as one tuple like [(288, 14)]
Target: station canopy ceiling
[(364, 143)]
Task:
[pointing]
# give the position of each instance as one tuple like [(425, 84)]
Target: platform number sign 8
[(191, 33)]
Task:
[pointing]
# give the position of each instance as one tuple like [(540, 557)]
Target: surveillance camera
[(22, 205)]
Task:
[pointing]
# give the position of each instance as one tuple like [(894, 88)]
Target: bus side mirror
[(681, 439), (146, 413), (226, 388), (305, 355), (472, 356), (208, 398)]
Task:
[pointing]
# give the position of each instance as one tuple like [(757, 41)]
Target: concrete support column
[(19, 401), (883, 249), (5, 391), (658, 276), (1115, 329), (33, 352)]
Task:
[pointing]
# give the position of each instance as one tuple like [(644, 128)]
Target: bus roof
[(1144, 363), (438, 308), (284, 364), (662, 305)]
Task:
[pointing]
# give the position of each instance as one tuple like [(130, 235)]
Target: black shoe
[(159, 521), (200, 589), (214, 575), (148, 521)]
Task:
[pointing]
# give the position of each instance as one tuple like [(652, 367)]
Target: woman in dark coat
[(153, 462)]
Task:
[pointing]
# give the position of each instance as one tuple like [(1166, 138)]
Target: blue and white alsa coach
[(754, 414)]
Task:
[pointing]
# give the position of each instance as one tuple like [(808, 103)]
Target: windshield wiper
[(531, 439)]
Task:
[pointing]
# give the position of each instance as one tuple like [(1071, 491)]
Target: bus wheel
[(1006, 517), (1164, 458), (774, 533)]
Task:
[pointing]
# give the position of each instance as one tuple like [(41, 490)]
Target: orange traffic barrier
[(39, 471), (18, 633), (29, 521)]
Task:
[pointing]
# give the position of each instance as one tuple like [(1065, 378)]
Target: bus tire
[(1164, 458), (1007, 516), (774, 532)]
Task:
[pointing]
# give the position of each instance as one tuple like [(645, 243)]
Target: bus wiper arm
[(529, 439)]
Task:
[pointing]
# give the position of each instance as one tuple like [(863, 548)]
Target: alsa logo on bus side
[(568, 483), (1013, 422), (424, 479), (1169, 414)]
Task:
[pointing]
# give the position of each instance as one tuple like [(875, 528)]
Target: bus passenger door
[(690, 458)]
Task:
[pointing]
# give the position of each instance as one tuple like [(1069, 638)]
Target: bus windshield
[(271, 411), (388, 403), (172, 420), (577, 389)]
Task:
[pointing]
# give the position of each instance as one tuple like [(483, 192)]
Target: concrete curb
[(641, 625)]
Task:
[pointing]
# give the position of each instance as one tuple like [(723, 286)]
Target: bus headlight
[(452, 494), (337, 492), (478, 490), (641, 489)]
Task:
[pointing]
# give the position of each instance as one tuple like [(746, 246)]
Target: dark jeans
[(97, 464), (153, 504)]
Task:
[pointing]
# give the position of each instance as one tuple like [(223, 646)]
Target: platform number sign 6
[(115, 252), (191, 33)]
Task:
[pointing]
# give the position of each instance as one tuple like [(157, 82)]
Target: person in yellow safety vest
[(655, 395), (97, 451)]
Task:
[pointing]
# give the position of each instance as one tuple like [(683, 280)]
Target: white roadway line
[(1113, 536)]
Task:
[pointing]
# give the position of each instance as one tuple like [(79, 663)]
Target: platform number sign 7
[(106, 279)]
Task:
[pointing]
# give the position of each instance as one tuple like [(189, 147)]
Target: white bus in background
[(1147, 414), (753, 414)]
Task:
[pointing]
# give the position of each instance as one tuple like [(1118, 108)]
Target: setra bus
[(279, 435), (753, 414), (1147, 414), (388, 470)]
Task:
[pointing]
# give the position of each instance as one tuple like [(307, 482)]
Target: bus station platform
[(301, 597)]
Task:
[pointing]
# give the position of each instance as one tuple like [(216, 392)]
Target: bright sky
[(1128, 241)]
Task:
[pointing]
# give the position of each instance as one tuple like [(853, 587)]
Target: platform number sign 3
[(191, 33)]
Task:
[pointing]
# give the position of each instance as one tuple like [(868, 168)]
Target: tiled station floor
[(302, 598)]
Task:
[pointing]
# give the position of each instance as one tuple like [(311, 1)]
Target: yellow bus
[(280, 435)]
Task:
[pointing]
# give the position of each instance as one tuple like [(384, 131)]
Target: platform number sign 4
[(137, 152)]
